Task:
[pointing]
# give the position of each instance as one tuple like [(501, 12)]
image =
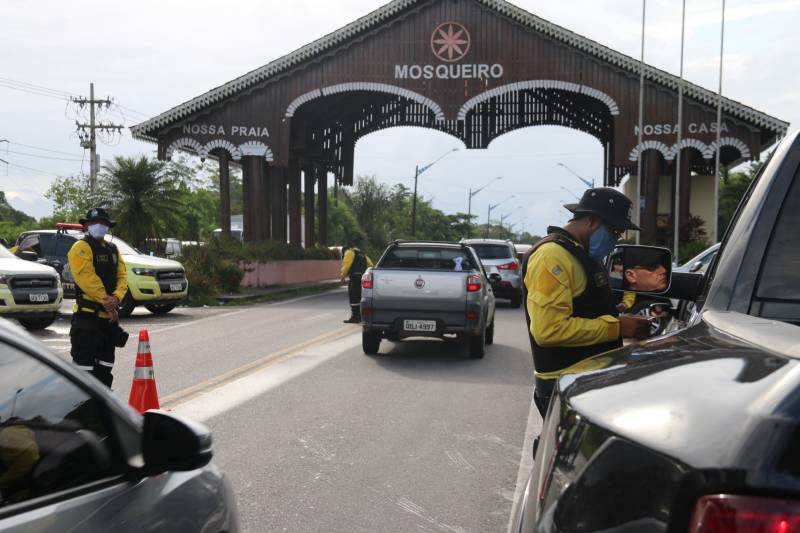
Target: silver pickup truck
[(427, 289)]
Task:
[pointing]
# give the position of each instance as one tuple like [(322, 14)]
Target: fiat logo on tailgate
[(420, 283)]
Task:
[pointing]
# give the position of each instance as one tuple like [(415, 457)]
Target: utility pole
[(89, 139), (414, 205)]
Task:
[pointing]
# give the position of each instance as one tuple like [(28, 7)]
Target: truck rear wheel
[(370, 341), (477, 345), (35, 324)]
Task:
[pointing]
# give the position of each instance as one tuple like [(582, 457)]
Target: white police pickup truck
[(427, 289), (29, 292)]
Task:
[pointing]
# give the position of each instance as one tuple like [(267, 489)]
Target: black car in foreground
[(699, 430)]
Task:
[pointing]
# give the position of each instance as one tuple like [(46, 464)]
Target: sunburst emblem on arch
[(222, 144), (365, 86), (729, 141), (651, 145), (185, 143), (255, 148), (613, 108)]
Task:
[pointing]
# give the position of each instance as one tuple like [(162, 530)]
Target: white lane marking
[(533, 428), (195, 322), (235, 393)]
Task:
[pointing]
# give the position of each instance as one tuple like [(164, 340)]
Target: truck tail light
[(509, 266), (472, 316), (366, 281), (473, 283), (723, 513)]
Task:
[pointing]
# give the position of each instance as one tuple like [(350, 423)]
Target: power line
[(43, 156), (43, 149), (35, 170), (9, 81)]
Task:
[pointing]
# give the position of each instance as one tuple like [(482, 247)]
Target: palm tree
[(145, 198)]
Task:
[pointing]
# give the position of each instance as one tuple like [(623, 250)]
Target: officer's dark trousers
[(354, 293), (93, 345), (542, 394)]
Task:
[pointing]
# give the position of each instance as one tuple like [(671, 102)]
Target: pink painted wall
[(287, 272)]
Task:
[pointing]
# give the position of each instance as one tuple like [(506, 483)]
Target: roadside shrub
[(213, 269)]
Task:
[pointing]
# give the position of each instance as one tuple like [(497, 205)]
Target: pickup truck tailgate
[(420, 291)]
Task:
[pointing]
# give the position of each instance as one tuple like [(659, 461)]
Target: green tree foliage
[(731, 191), (12, 221), (384, 214), (343, 227), (235, 188), (72, 197), (145, 196)]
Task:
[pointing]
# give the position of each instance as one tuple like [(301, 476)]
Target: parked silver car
[(75, 458), (427, 289), (499, 258)]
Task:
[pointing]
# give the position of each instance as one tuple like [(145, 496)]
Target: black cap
[(97, 214), (639, 256), (613, 207)]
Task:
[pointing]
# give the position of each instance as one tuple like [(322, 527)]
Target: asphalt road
[(317, 436)]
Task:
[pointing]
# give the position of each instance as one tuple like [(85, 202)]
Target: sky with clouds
[(151, 55)]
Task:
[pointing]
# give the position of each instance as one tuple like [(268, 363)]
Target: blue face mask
[(601, 243)]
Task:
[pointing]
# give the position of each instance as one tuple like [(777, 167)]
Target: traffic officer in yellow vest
[(570, 308), (100, 284), (354, 264)]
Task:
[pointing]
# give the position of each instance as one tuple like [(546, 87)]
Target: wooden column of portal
[(284, 229), (322, 203), (309, 205), (295, 185), (248, 199), (686, 176), (262, 194), (224, 194), (651, 172), (278, 198)]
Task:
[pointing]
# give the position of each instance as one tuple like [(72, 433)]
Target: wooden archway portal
[(475, 69)]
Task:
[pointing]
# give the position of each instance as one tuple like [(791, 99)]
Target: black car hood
[(702, 396)]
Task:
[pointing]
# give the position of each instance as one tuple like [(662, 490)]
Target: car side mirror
[(28, 255), (643, 269), (172, 443)]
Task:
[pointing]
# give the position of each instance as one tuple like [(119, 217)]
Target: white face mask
[(98, 231)]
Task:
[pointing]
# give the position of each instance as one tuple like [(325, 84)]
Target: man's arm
[(81, 263), (551, 283), (347, 262), (369, 262), (122, 279)]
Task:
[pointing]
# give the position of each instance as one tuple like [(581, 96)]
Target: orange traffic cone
[(144, 395)]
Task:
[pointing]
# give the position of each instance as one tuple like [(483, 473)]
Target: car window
[(778, 289), (428, 258), (493, 251), (63, 245), (30, 242), (52, 433)]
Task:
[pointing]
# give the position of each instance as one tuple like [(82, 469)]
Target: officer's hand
[(621, 307), (113, 316), (110, 303), (636, 327)]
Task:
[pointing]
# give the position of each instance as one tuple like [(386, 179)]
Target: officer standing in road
[(570, 308), (100, 284), (354, 264)]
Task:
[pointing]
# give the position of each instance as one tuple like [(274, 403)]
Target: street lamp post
[(571, 193), (504, 217), (492, 208), (469, 203), (417, 173), (589, 184)]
